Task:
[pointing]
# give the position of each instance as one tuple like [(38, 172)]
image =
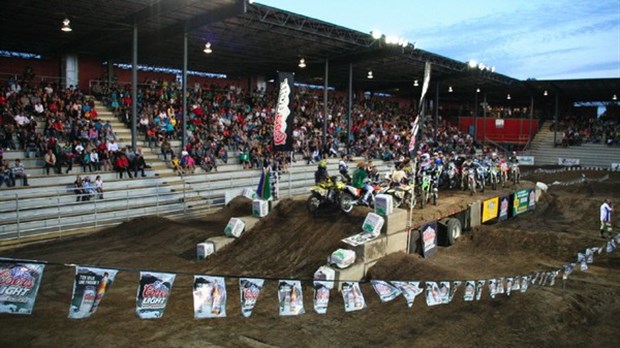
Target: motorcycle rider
[(321, 172), (343, 168), (360, 179), (398, 176)]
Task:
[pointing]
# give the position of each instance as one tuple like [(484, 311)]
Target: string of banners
[(20, 281)]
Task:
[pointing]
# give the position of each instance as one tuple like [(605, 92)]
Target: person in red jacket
[(122, 164)]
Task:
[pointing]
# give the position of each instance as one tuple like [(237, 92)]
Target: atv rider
[(321, 173), (360, 179)]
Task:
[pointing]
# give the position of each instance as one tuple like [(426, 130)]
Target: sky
[(545, 40)]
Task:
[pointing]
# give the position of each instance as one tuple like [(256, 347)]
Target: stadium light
[(376, 34), (207, 49), (302, 63), (65, 25), (472, 63), (450, 90), (415, 83), (545, 93), (508, 96), (477, 90), (370, 77), (615, 97)]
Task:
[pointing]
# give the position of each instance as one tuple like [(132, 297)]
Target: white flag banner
[(509, 285), (589, 255), (479, 288), (320, 299), (433, 295), (290, 298), (426, 83), (470, 290), (444, 292), (492, 287), (386, 291), (568, 269), (249, 290), (455, 286), (353, 297), (525, 282), (516, 285), (500, 285), (409, 290)]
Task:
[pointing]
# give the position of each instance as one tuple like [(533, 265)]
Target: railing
[(61, 211)]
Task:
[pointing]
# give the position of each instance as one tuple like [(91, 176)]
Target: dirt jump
[(291, 244)]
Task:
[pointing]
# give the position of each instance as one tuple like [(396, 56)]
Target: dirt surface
[(289, 243)]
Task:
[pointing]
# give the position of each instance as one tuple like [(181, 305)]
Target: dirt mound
[(288, 242)]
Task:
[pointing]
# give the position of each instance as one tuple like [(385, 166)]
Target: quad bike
[(330, 191)]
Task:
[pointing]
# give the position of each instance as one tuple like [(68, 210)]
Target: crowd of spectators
[(576, 131)]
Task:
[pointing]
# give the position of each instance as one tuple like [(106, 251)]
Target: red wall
[(49, 69), (515, 131)]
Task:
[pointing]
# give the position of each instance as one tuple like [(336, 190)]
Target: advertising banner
[(290, 297), (490, 209), (479, 288), (249, 289), (520, 202), (531, 200), (455, 286), (353, 297), (525, 282), (209, 297), (504, 208), (386, 291), (89, 287), (283, 123), (153, 294), (444, 292), (428, 233), (492, 287), (409, 290), (19, 285), (526, 160), (470, 290), (568, 161), (433, 295), (320, 299)]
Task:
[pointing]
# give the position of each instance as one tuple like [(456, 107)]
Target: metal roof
[(251, 40)]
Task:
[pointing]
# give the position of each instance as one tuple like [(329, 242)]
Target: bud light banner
[(353, 297), (321, 297), (429, 239), (209, 297), (283, 123), (290, 297), (409, 289), (504, 206), (531, 200), (153, 294), (19, 284), (89, 287), (385, 290), (249, 289), (470, 290)]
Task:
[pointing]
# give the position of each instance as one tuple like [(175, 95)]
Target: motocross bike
[(503, 174), (355, 194), (428, 190), (493, 176), (329, 191), (401, 194), (469, 180), (451, 175)]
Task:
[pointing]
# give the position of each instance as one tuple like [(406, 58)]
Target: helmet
[(494, 154), (323, 163), (426, 157)]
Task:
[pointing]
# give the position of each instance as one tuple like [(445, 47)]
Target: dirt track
[(290, 244)]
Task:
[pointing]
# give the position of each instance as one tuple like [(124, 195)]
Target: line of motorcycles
[(335, 191)]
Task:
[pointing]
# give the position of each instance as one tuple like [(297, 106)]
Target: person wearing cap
[(606, 209), (360, 178)]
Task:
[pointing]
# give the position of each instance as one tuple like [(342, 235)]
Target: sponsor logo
[(282, 113)]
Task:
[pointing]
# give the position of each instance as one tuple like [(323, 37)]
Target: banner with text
[(283, 123), (290, 298), (490, 209), (209, 297), (153, 294), (89, 287), (19, 285), (520, 202), (250, 290)]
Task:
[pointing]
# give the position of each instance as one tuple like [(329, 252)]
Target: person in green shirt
[(360, 179)]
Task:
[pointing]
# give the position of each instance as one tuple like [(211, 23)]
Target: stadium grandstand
[(177, 100)]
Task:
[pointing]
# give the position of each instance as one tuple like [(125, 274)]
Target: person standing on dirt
[(360, 179), (606, 209)]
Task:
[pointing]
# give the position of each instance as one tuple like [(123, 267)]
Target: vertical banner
[(479, 288), (455, 286), (153, 294), (409, 290), (425, 83), (429, 239), (290, 298), (509, 285), (320, 299), (504, 205), (19, 285), (283, 123), (444, 292), (386, 291), (531, 200), (500, 285), (433, 295), (492, 287), (490, 208), (263, 191), (209, 297), (470, 290), (516, 285), (353, 297), (568, 269), (249, 290), (89, 287), (519, 204), (525, 282)]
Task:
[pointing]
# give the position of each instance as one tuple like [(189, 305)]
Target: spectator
[(19, 172), (50, 161), (99, 187), (122, 165)]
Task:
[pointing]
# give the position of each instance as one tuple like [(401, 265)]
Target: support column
[(529, 134), (484, 118), (134, 87), (325, 102), (476, 116), (350, 108), (436, 123), (555, 121), (184, 96)]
